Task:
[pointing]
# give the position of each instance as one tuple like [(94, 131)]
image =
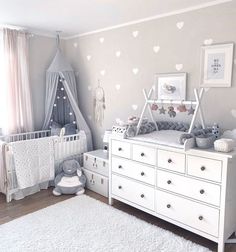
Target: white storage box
[(96, 182), (97, 161), (224, 145)]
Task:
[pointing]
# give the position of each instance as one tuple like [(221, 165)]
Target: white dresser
[(194, 189)]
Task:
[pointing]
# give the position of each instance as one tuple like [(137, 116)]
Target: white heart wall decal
[(75, 45), (89, 57), (179, 67), (117, 87), (180, 25), (134, 106), (233, 112), (135, 70), (135, 34), (102, 72), (101, 40), (89, 88), (208, 41), (156, 49), (118, 54)]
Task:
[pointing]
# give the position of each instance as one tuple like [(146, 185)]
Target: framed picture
[(216, 65), (170, 86)]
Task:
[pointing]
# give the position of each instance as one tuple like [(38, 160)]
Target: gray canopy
[(60, 78)]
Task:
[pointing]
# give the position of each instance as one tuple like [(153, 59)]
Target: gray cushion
[(55, 129), (70, 129)]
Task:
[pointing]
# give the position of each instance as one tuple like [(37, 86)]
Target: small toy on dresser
[(227, 142), (70, 180)]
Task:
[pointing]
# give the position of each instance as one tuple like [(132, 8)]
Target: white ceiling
[(81, 16)]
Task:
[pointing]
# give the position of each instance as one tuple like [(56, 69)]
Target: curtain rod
[(18, 28), (12, 27)]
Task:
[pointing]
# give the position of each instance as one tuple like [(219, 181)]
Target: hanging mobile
[(171, 110), (154, 106), (191, 110), (182, 107), (162, 110), (99, 104)]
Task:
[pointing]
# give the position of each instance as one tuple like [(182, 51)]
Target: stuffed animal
[(70, 180), (171, 111)]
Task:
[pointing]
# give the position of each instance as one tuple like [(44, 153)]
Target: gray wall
[(41, 53), (177, 46)]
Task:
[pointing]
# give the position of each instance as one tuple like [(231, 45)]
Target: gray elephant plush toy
[(70, 180)]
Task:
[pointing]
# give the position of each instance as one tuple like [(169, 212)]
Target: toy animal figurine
[(154, 106), (70, 180), (171, 111), (182, 108)]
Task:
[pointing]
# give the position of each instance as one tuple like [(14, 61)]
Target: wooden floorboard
[(44, 198)]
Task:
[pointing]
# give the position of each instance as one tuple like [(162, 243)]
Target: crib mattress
[(163, 137)]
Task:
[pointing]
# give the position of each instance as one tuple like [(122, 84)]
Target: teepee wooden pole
[(147, 97)]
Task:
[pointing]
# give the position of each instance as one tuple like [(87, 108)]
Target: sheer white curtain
[(2, 86), (16, 103)]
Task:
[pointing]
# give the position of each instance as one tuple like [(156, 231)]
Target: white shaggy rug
[(84, 224)]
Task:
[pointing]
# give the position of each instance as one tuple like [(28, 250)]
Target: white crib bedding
[(65, 147), (34, 161), (163, 137)]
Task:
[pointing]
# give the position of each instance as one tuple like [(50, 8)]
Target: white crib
[(71, 146)]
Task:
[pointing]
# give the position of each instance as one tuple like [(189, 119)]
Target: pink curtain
[(19, 116)]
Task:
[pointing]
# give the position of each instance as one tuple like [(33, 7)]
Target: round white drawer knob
[(200, 217), (168, 206), (142, 195)]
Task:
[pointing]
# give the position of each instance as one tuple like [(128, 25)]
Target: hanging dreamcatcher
[(99, 104)]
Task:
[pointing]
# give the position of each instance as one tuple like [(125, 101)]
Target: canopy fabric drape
[(60, 70)]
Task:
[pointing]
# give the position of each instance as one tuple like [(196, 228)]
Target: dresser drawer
[(195, 215), (171, 160), (204, 168), (133, 170), (133, 192), (96, 165), (144, 154), (121, 149), (199, 190)]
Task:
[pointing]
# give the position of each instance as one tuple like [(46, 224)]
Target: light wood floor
[(15, 209)]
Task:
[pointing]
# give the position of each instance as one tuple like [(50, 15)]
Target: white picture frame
[(216, 65), (170, 86)]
